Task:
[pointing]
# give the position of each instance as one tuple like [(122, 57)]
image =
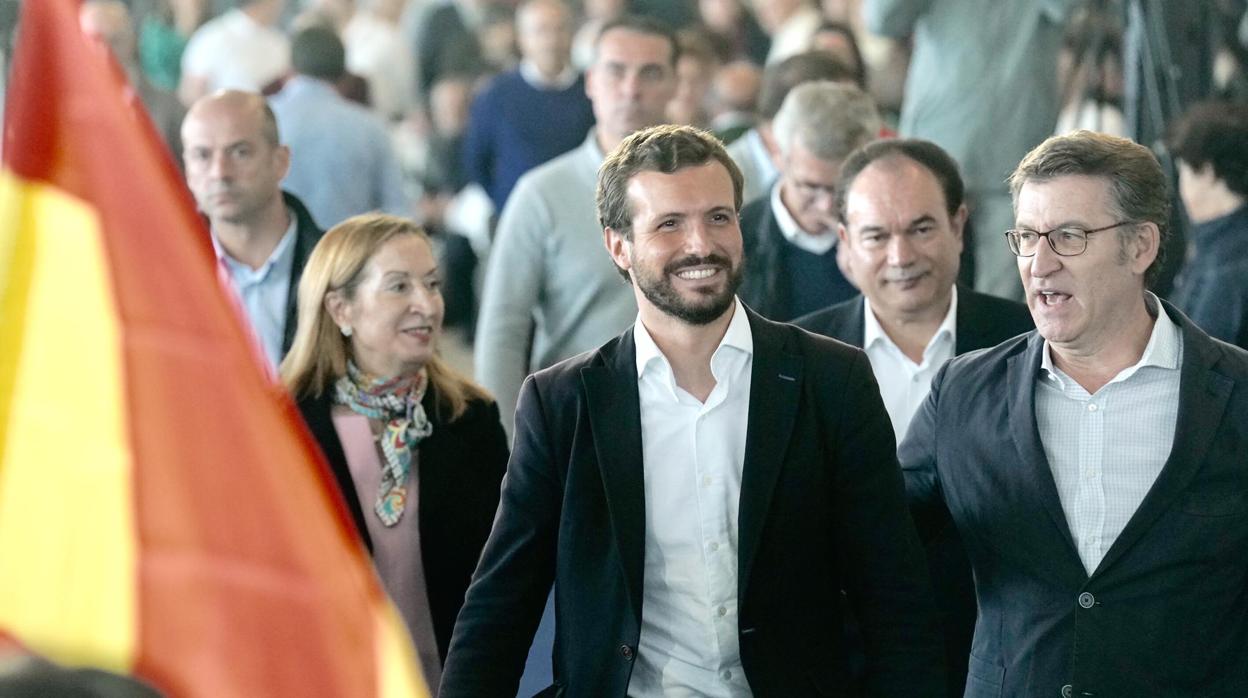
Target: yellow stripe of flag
[(67, 547)]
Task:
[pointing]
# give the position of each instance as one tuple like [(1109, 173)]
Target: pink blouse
[(396, 550)]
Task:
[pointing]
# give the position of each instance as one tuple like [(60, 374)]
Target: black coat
[(1166, 611), (307, 234), (982, 321), (461, 466), (821, 510)]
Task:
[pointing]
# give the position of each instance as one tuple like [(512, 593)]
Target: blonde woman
[(417, 450)]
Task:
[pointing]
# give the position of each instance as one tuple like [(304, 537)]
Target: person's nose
[(1045, 261), (698, 240), (630, 85), (220, 166), (900, 250)]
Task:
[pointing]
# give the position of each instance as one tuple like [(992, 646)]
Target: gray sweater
[(549, 277)]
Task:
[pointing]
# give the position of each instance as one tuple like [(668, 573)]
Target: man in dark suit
[(1094, 468), (702, 487), (234, 166), (902, 216)]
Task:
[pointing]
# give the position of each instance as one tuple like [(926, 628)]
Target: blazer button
[(626, 652), (1087, 600), (1067, 691)]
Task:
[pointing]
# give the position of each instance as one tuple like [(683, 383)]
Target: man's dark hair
[(1215, 133), (665, 149), (642, 24), (932, 157), (1137, 184), (780, 78), (317, 52)]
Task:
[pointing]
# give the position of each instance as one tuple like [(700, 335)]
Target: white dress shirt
[(693, 456), (904, 385), (1107, 449), (814, 244)]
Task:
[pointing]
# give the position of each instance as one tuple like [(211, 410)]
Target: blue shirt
[(342, 162), (264, 291)]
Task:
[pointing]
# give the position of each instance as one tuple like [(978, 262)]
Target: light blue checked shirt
[(1107, 449)]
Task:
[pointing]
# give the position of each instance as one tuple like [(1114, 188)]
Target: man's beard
[(710, 305)]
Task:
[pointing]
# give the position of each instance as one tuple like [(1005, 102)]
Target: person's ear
[(619, 247)]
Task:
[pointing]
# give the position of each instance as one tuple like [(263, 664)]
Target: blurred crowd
[(438, 107)]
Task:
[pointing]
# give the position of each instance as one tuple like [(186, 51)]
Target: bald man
[(109, 22), (262, 235)]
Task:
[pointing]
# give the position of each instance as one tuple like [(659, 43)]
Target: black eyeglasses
[(1066, 241)]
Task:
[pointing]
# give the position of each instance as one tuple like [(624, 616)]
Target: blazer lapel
[(1203, 394), (615, 418), (968, 324), (317, 414), (775, 390), (1035, 472)]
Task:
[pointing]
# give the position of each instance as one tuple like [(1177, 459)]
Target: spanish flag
[(163, 513)]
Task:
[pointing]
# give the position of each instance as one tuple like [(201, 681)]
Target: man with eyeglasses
[(790, 235), (1095, 468)]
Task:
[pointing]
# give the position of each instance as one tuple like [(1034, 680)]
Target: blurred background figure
[(733, 99), (790, 233), (838, 39), (980, 71), (342, 161), (595, 15), (241, 49), (164, 28), (1211, 145), (791, 24), (1090, 73), (109, 22), (733, 31), (695, 70), (378, 51), (527, 116), (444, 37), (755, 152), (417, 450)]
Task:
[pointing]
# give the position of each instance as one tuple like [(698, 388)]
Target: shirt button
[(714, 547), (706, 481), (1092, 407), (726, 673), (722, 611), (626, 652), (1067, 691), (1087, 600)]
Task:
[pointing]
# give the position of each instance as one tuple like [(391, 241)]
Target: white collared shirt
[(693, 455), (535, 79), (815, 244), (1107, 449), (263, 292), (904, 385)]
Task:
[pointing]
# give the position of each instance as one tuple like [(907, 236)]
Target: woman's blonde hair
[(318, 356)]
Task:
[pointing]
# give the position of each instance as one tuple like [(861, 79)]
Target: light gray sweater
[(549, 277)]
